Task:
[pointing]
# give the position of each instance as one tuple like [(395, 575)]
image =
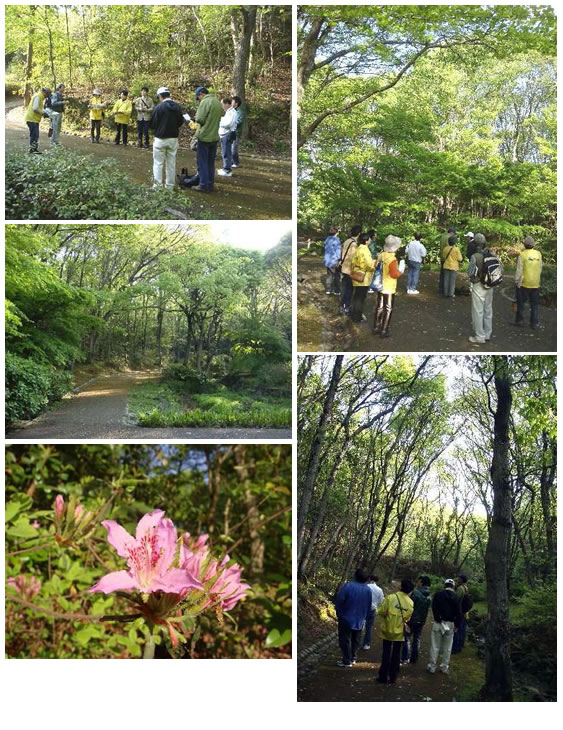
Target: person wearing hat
[(528, 279), (391, 271), (447, 616), (208, 116), (122, 110), (471, 247), (33, 115), (96, 107), (166, 120), (451, 258), (144, 106)]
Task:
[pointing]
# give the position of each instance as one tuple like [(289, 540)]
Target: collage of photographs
[(280, 371)]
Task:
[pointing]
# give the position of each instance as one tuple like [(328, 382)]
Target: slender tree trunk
[(29, 57), (69, 49), (242, 34), (51, 57)]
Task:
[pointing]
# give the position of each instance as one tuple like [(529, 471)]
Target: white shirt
[(228, 122), (416, 251), (376, 595)]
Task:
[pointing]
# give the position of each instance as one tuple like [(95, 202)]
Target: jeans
[(449, 283), (412, 275), (441, 645), (95, 126), (33, 136), (482, 310), (164, 158), (349, 641), (234, 149), (369, 626), (56, 124), (533, 296), (346, 291), (121, 128), (411, 644), (226, 152), (206, 154), (358, 299), (459, 637), (332, 280), (143, 130), (390, 660)]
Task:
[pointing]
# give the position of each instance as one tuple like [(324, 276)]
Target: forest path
[(421, 323), (330, 683), (99, 411), (259, 189)]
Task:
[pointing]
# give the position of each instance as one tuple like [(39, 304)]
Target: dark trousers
[(332, 281), (383, 312), (121, 129), (459, 637), (369, 625), (33, 136), (412, 644), (206, 154), (226, 152), (95, 128), (234, 149), (143, 130), (524, 294), (349, 641), (346, 291), (390, 660), (358, 299)]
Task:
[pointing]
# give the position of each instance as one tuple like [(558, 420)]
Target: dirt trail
[(259, 189), (421, 323), (358, 684), (99, 411)]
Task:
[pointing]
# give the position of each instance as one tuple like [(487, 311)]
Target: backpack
[(185, 180), (466, 602), (491, 272)]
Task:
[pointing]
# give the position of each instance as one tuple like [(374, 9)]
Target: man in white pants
[(481, 296), (166, 120), (447, 615)]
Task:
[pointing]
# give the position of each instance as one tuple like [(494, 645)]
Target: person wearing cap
[(391, 271), (207, 118), (528, 279), (237, 105), (471, 247), (144, 106), (444, 242), (447, 616), (122, 110), (416, 251), (451, 258), (33, 115), (166, 120), (461, 590), (227, 133), (96, 107)]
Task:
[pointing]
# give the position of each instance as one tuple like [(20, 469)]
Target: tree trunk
[(242, 34), (29, 58), (498, 668), (51, 57), (69, 50)]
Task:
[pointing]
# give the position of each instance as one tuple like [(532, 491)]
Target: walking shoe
[(477, 340), (327, 292), (364, 318), (409, 291), (371, 291), (445, 671), (147, 146), (201, 190), (365, 647), (415, 291), (354, 661), (234, 165), (340, 663), (432, 670), (225, 173)]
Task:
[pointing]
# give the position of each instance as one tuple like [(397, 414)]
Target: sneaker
[(366, 647), (327, 292), (225, 173), (336, 293), (477, 340), (431, 670), (445, 671), (354, 661), (371, 291), (415, 291), (409, 291), (234, 165), (340, 663), (364, 318), (201, 190)]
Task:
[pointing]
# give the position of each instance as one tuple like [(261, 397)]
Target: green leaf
[(16, 505), (276, 638)]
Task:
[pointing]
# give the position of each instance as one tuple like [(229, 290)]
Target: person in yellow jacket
[(348, 250), (362, 263), (33, 115), (122, 110), (451, 258), (393, 615), (96, 107), (528, 279), (391, 271)]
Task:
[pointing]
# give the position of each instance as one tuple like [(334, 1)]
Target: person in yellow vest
[(393, 615), (391, 271), (96, 107), (33, 115), (362, 263), (451, 258), (528, 279), (122, 110)]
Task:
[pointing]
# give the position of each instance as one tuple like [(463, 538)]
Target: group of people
[(216, 123), (357, 268), (401, 616)]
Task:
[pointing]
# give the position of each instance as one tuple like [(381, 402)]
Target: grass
[(166, 404)]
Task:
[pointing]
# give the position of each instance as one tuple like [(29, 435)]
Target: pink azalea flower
[(79, 509), (150, 556), (59, 505), (35, 524), (28, 586)]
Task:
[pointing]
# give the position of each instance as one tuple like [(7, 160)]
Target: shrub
[(192, 380), (31, 386)]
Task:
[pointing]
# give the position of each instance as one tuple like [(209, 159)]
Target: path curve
[(99, 411)]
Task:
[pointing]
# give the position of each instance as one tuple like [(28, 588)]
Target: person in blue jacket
[(353, 606), (333, 252)]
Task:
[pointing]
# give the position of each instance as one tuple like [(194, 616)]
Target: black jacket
[(166, 119), (446, 606)]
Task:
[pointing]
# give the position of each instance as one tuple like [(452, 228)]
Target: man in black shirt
[(166, 120), (471, 245), (447, 616)]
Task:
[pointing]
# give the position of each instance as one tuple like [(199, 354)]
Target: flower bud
[(78, 512), (59, 506)]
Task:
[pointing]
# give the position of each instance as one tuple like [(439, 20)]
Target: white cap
[(469, 234), (97, 92), (163, 90)]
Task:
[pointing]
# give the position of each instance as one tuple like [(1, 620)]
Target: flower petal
[(119, 538), (167, 537), (175, 581), (147, 521), (120, 580)]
